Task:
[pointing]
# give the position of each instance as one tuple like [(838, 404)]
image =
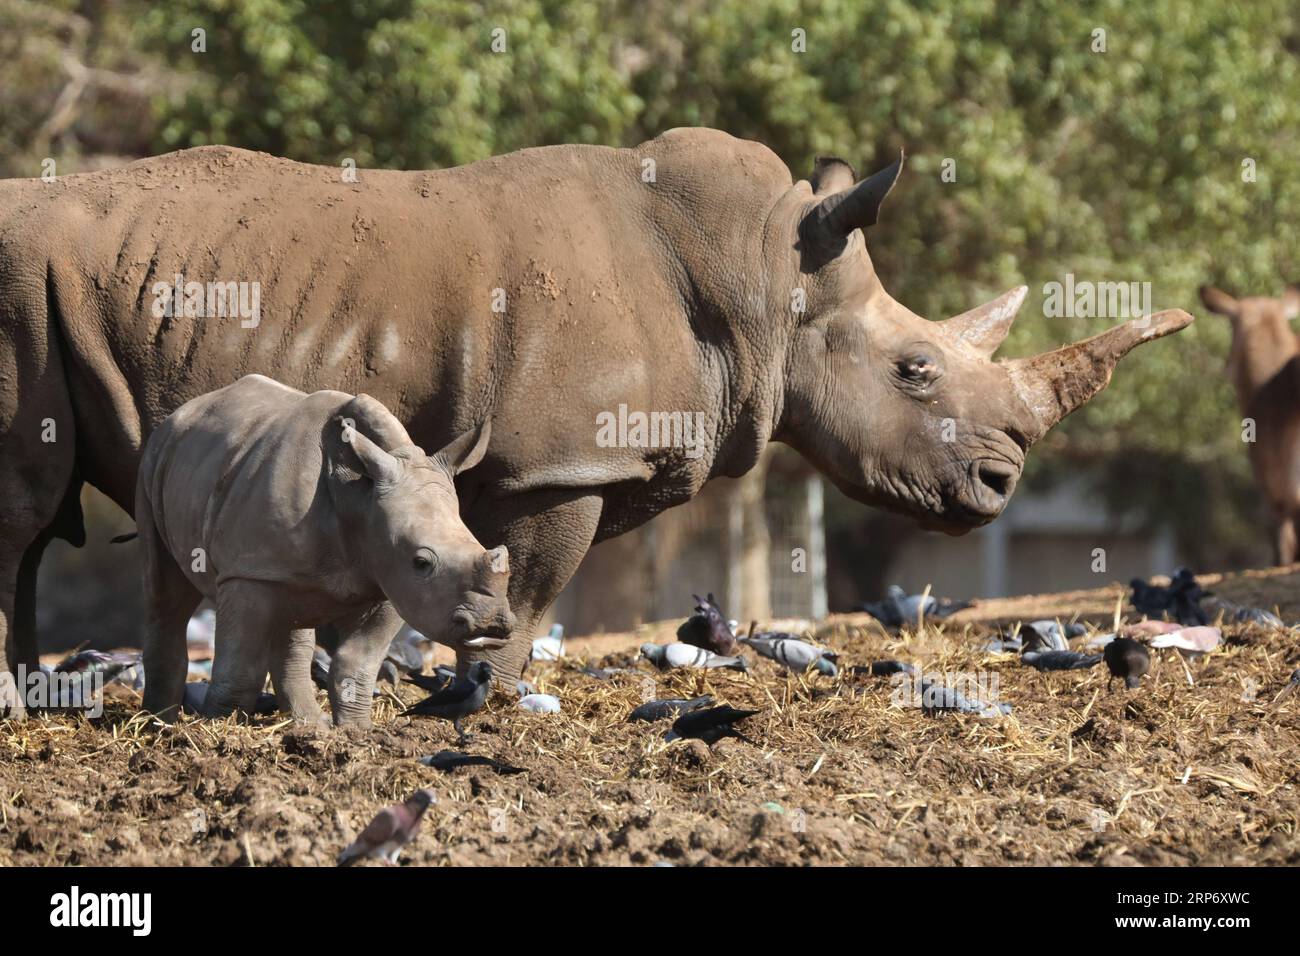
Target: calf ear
[(1216, 300), (831, 174), (1291, 302), (465, 451), (379, 465)]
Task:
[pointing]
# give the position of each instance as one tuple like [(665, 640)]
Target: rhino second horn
[(1056, 383), (983, 329)]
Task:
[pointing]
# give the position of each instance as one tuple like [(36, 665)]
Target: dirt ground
[(1167, 774)]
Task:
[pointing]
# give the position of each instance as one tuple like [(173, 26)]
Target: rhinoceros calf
[(293, 512)]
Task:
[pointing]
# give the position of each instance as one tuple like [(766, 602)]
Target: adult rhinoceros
[(541, 290)]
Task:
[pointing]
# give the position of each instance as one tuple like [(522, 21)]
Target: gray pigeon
[(709, 725), (795, 654), (320, 668), (899, 607), (937, 697), (390, 830), (883, 668), (464, 696), (668, 656), (670, 707), (1059, 660)]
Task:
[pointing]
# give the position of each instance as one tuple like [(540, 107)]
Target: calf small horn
[(1056, 383)]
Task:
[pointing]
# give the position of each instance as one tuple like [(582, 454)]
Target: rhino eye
[(424, 562), (918, 369)]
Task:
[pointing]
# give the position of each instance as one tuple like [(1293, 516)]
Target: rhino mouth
[(487, 640)]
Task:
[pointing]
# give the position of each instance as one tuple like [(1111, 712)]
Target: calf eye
[(424, 562)]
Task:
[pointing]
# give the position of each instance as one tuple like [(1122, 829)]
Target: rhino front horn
[(1056, 383), (858, 206)]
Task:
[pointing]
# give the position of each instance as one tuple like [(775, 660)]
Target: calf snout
[(485, 615)]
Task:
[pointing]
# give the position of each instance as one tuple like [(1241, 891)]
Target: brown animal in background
[(1264, 366), (544, 290)]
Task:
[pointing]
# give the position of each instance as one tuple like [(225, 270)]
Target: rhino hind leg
[(249, 625), (169, 600), (291, 677)]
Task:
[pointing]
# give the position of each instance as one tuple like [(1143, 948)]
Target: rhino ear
[(1291, 302), (465, 451), (831, 174), (382, 467), (1216, 300), (857, 206)]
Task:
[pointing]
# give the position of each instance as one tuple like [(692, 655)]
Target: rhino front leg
[(250, 624), (548, 534), (291, 676), (363, 641)]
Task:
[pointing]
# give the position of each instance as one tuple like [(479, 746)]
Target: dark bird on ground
[(884, 668), (1059, 660), (390, 830), (1180, 600), (899, 607), (462, 697), (710, 725), (96, 662), (449, 760), (671, 707), (1127, 659), (441, 677), (708, 628)]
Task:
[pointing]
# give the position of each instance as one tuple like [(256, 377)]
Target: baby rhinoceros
[(296, 512)]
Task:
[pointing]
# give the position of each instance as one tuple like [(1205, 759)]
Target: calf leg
[(548, 534), (249, 624), (291, 676), (169, 600), (363, 641)]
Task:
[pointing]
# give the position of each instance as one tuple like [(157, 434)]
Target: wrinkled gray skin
[(312, 511), (667, 292)]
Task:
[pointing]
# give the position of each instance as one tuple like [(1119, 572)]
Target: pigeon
[(388, 673), (390, 830), (937, 697), (432, 683), (1240, 614), (196, 692), (899, 607), (96, 662), (406, 652), (540, 703), (1059, 660), (1144, 629), (669, 707), (667, 656), (462, 697), (1127, 659), (1190, 641), (1180, 600), (449, 760), (550, 647), (795, 654), (885, 668), (1048, 635), (523, 687), (709, 725), (201, 632), (320, 668), (708, 628), (605, 673)]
